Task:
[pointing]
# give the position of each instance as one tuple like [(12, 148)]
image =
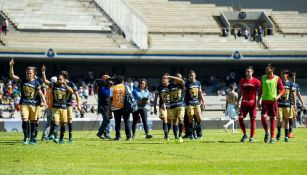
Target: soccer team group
[(180, 104)]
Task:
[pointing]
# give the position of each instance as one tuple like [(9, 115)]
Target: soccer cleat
[(25, 141), (244, 138), (148, 136), (129, 139), (33, 142), (191, 137), (290, 135), (286, 139), (278, 136), (44, 138), (100, 136), (56, 141), (117, 139), (180, 140), (50, 138), (266, 138), (70, 140), (62, 142), (251, 140), (271, 140)]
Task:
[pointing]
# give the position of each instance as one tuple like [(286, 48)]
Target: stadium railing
[(130, 22)]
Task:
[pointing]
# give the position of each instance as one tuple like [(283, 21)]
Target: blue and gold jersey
[(60, 95), (42, 84), (286, 100), (295, 88), (163, 93), (176, 94), (192, 93), (29, 92), (74, 88)]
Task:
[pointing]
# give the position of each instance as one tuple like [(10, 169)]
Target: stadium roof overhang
[(115, 55)]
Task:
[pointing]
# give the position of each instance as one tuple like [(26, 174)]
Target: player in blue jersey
[(30, 89), (194, 99)]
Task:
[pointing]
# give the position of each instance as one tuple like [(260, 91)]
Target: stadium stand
[(57, 40), (55, 15), (197, 42), (286, 43), (290, 22), (178, 17)]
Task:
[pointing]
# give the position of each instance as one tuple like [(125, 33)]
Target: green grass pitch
[(218, 153)]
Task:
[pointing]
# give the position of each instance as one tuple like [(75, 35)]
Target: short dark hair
[(270, 66), (250, 67), (165, 74), (65, 74), (120, 79), (192, 71), (231, 86), (292, 74), (285, 71)]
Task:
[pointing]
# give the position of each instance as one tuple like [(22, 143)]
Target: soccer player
[(70, 113), (194, 98), (119, 94), (284, 106), (162, 93), (104, 89), (177, 105), (30, 88), (297, 101), (60, 92), (231, 107), (269, 94), (141, 95), (248, 91)]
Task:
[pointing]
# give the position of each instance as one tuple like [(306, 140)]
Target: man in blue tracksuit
[(104, 91)]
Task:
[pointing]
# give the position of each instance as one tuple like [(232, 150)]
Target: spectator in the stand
[(260, 33), (91, 76), (235, 31), (85, 91), (4, 26), (225, 32), (246, 34), (255, 35)]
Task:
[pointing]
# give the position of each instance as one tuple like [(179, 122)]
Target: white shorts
[(231, 111)]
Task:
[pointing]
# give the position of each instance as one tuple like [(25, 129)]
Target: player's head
[(165, 79), (178, 75), (269, 69), (105, 76), (231, 87), (249, 71), (31, 73), (61, 78), (192, 75), (120, 79), (285, 74), (292, 77), (65, 74), (143, 84)]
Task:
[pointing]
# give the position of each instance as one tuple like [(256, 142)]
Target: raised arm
[(47, 82), (11, 72), (42, 97), (180, 80)]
